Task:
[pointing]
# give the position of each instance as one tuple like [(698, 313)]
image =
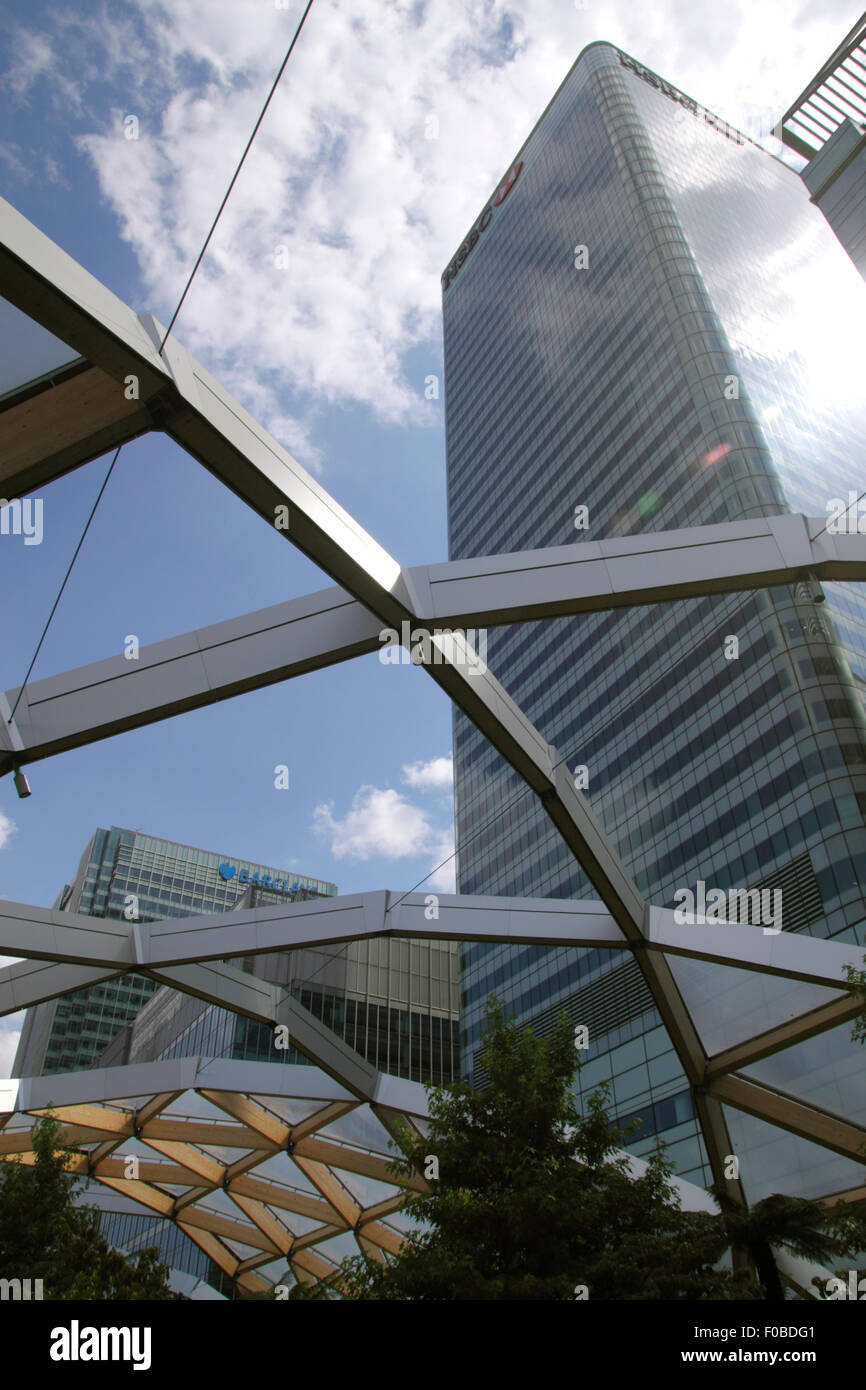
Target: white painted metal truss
[(65, 419)]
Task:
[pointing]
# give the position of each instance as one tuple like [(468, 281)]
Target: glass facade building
[(125, 874), (650, 327), (394, 1001)]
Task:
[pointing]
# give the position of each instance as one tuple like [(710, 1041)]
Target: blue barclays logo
[(278, 885)]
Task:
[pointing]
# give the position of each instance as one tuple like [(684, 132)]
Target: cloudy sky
[(318, 305)]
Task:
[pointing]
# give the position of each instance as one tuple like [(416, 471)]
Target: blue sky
[(392, 124)]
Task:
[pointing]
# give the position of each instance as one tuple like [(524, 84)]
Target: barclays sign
[(277, 885)]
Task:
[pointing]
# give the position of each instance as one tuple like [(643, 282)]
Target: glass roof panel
[(338, 1247), (772, 1160), (220, 1202), (243, 1252), (729, 1005), (294, 1223), (366, 1191), (827, 1071), (194, 1106), (289, 1108), (275, 1272), (281, 1168), (27, 350), (361, 1128)]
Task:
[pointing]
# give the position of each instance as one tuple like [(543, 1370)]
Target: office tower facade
[(836, 179), (650, 327), (131, 876), (395, 1002)]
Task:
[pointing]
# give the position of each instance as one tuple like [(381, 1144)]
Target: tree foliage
[(532, 1202), (858, 979), (43, 1235), (805, 1228)]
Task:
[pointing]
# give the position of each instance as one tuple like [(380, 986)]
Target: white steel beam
[(83, 941), (277, 643), (184, 673), (629, 571)]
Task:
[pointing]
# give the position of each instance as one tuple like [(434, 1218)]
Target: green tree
[(805, 1228), (531, 1201), (858, 979), (43, 1235)]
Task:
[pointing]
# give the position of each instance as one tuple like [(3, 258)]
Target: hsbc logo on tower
[(507, 183), (483, 222)]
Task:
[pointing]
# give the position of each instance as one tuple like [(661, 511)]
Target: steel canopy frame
[(213, 1128), (180, 397), (306, 634), (189, 954)]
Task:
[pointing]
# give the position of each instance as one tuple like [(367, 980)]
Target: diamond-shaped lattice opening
[(289, 1109), (337, 1247), (359, 1128), (300, 1225), (193, 1106), (220, 1201), (277, 1174), (367, 1191)]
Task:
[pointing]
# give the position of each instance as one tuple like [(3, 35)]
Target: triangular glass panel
[(729, 1005), (826, 1071), (773, 1160), (28, 352)]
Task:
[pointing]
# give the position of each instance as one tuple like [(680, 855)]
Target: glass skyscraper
[(394, 1001), (649, 327), (125, 874)]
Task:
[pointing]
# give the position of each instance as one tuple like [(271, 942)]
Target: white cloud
[(10, 1032), (7, 829), (444, 866), (341, 176), (381, 823), (33, 59), (344, 214), (438, 773)]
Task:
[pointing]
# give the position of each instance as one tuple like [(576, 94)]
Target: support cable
[(186, 288)]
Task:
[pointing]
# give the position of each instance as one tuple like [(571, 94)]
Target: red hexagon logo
[(508, 183)]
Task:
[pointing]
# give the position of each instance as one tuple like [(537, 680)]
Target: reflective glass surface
[(655, 324), (27, 350)]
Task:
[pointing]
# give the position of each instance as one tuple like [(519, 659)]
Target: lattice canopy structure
[(261, 1166), (760, 1021)]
